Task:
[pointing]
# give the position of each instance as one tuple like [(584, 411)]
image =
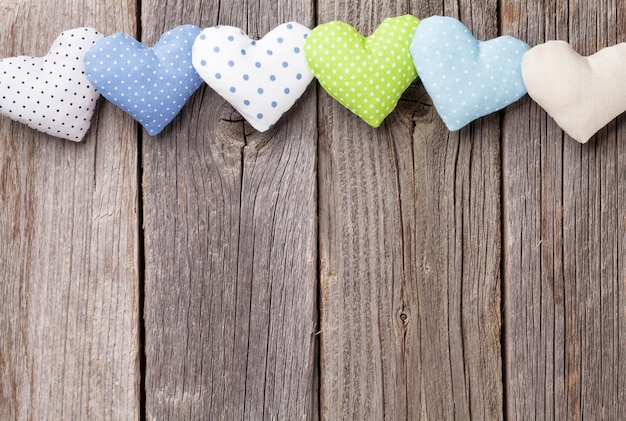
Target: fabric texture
[(51, 93), (582, 94), (150, 84), (261, 79), (366, 75), (466, 78)]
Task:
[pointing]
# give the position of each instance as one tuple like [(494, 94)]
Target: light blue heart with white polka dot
[(261, 79), (150, 84), (466, 78)]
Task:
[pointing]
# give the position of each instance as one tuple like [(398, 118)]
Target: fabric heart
[(260, 79), (366, 75), (582, 94), (466, 78), (51, 93), (150, 84)]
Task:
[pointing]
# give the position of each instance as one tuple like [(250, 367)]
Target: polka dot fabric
[(261, 79), (466, 78), (366, 75), (51, 93), (150, 84)]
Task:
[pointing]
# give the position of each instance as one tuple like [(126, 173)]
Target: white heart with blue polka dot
[(261, 79), (51, 93)]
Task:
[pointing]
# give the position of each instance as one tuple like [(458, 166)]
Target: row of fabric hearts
[(465, 78)]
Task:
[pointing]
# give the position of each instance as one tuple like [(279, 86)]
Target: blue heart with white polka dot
[(466, 78), (260, 79), (150, 84)]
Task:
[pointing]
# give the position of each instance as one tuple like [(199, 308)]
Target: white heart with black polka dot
[(51, 93), (262, 79)]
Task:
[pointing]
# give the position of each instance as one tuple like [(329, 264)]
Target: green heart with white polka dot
[(366, 75)]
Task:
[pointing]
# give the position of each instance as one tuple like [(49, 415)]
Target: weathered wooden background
[(323, 269)]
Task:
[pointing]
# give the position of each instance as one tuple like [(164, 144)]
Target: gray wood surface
[(69, 261), (231, 245), (565, 237), (323, 269), (410, 256)]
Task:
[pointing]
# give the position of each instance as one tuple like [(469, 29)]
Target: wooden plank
[(410, 250), (564, 234), (231, 245), (69, 266)]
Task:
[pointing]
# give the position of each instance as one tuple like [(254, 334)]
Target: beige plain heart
[(582, 94)]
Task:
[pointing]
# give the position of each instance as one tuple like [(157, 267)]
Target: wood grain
[(410, 250), (564, 238), (68, 244), (231, 245), (416, 226)]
